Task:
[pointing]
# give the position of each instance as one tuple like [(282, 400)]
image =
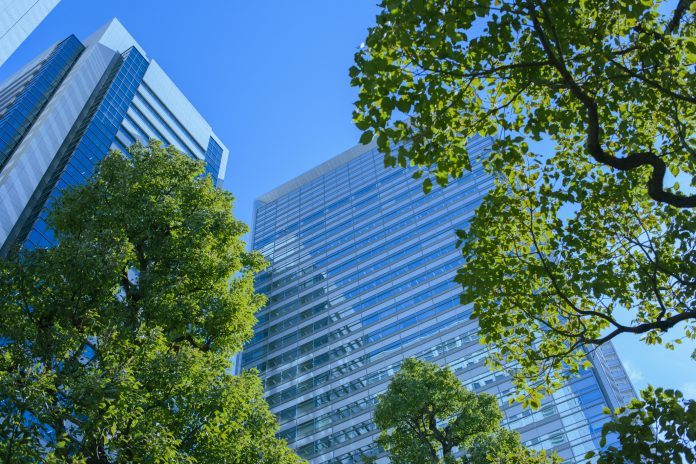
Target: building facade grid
[(361, 277), (21, 102), (93, 143)]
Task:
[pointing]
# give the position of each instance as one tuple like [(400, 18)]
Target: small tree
[(659, 428), (504, 447), (426, 415), (115, 345)]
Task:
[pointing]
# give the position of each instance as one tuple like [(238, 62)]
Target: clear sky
[(272, 80)]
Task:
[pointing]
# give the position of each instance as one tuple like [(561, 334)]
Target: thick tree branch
[(424, 439), (682, 7), (594, 146), (662, 326), (439, 436)]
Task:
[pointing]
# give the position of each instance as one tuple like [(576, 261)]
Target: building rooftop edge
[(113, 34), (117, 37), (317, 171)]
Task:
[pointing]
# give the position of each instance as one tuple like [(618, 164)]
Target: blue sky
[(272, 79)]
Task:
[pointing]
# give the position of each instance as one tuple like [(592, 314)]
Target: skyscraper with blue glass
[(62, 112), (361, 277)]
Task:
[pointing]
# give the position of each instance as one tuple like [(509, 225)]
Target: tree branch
[(654, 84), (663, 326), (682, 7), (594, 145)]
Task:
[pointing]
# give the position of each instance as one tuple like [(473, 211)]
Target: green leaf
[(403, 105), (362, 124)]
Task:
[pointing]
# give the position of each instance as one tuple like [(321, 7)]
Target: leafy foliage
[(426, 415), (660, 428), (115, 345), (504, 447), (582, 237)]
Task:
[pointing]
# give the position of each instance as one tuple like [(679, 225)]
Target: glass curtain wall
[(361, 277)]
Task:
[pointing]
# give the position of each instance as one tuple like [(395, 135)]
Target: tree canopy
[(428, 416), (589, 229), (115, 344), (658, 428), (504, 447)]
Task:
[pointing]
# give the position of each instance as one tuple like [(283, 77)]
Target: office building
[(62, 112), (18, 18), (361, 277)]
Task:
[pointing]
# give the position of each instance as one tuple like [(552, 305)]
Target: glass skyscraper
[(18, 18), (62, 112), (361, 277)]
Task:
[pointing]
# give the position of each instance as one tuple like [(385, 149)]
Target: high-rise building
[(361, 277), (62, 112), (18, 18)]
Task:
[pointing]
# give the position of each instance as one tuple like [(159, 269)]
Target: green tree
[(659, 428), (582, 237), (115, 345), (427, 416), (504, 447)]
